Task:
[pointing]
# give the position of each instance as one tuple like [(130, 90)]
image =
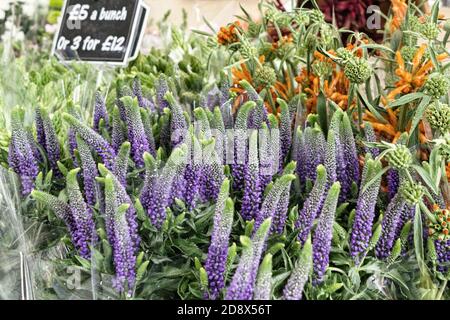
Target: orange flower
[(412, 79), (399, 8), (335, 89), (228, 35)]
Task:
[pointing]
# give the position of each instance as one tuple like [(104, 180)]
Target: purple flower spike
[(324, 232), (218, 250), (82, 215), (178, 125), (100, 112), (242, 285), (370, 137), (313, 205), (136, 132), (300, 274), (20, 156), (90, 172), (279, 219), (365, 209), (389, 226), (117, 135), (351, 161), (47, 138), (120, 237), (143, 101), (272, 198), (252, 198), (93, 139), (161, 89), (285, 130), (157, 189), (443, 255)]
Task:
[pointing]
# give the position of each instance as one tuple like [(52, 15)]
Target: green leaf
[(322, 112), (426, 177), (374, 179), (142, 269), (418, 238), (406, 99), (435, 11), (371, 108), (377, 46), (86, 264), (420, 110)]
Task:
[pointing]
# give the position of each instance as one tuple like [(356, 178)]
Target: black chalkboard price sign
[(100, 31)]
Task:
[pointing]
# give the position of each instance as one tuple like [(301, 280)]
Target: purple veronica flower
[(72, 139), (157, 189), (161, 89), (272, 199), (40, 131), (82, 215), (90, 172), (351, 161), (310, 153), (224, 91), (193, 174), (121, 163), (330, 160), (269, 155), (120, 237), (393, 182), (136, 132), (212, 98), (178, 125), (63, 211), (117, 135), (47, 138), (443, 255), (389, 226), (243, 282), (123, 92), (324, 232), (20, 156), (164, 133), (93, 139), (33, 144), (299, 276), (251, 200), (313, 205), (100, 112), (365, 209), (285, 130), (145, 115), (227, 115), (218, 250), (339, 156), (279, 219), (240, 145), (370, 137), (143, 101), (258, 115), (263, 287)]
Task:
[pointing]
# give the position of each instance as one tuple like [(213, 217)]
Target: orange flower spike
[(385, 128), (400, 61), (392, 117), (422, 138), (418, 57), (396, 91)]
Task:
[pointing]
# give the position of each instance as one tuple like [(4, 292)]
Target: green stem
[(427, 212), (441, 290)]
